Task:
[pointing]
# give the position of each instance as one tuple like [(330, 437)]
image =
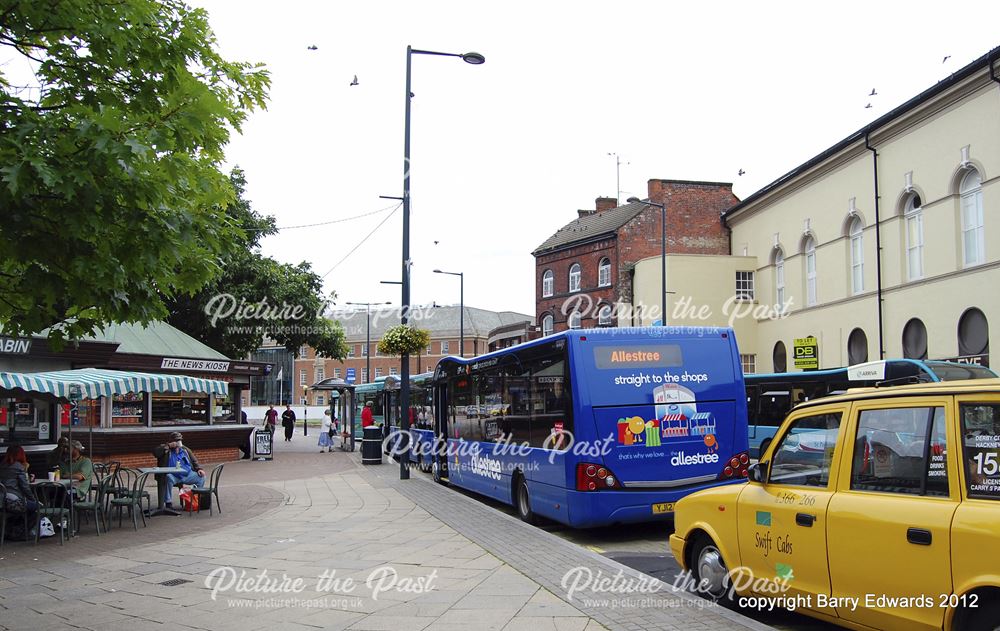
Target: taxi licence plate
[(665, 507)]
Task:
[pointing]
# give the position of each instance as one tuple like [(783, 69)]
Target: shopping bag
[(189, 500), (47, 530)]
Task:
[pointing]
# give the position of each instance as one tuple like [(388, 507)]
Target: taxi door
[(890, 521), (783, 522)]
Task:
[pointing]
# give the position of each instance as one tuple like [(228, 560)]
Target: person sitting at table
[(14, 476), (175, 455), (58, 455), (80, 470)]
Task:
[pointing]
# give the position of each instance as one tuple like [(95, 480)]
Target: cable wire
[(362, 242)]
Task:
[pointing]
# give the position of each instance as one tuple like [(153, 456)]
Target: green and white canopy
[(97, 382)]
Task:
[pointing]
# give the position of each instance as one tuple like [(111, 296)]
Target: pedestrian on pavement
[(270, 419), (174, 454), (245, 447), (367, 418), (288, 422), (326, 433)]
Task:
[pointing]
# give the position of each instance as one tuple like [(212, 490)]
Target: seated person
[(175, 455), (58, 455), (14, 476), (80, 470)]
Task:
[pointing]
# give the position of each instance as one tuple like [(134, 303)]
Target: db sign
[(806, 353)]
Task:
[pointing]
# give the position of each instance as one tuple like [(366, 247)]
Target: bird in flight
[(868, 107), (436, 242), (355, 82), (946, 58), (313, 47), (873, 92), (741, 172)]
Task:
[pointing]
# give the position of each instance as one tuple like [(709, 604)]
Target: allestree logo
[(680, 459)]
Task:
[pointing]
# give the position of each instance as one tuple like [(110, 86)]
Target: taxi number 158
[(986, 463)]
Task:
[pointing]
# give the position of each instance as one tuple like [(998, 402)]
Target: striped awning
[(97, 382)]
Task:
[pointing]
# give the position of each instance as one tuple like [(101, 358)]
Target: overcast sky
[(505, 153)]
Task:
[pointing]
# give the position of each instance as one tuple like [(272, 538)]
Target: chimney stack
[(605, 203)]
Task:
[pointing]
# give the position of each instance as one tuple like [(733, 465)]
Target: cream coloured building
[(885, 245)]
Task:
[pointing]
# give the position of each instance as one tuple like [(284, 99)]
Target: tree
[(257, 296), (111, 191)]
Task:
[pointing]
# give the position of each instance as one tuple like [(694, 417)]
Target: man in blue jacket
[(175, 454)]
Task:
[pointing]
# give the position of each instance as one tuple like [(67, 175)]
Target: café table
[(161, 488)]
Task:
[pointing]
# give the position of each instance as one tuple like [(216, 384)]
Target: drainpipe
[(878, 250)]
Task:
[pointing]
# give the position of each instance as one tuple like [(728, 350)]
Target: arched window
[(973, 333), (973, 237), (779, 357), (548, 283), (857, 256), (604, 315), (915, 339), (574, 277), (604, 273), (913, 216), (574, 320), (857, 347), (547, 324), (779, 278), (810, 250)]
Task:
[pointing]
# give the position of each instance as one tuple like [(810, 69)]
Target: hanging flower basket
[(404, 340)]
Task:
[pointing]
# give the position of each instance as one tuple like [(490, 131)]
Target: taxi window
[(981, 449), (901, 450), (805, 452)]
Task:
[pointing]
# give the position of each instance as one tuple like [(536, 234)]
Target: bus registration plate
[(664, 507)]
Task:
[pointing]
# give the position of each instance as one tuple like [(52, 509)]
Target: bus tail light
[(736, 468), (594, 477)]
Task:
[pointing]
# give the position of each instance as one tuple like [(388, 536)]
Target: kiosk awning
[(98, 382)]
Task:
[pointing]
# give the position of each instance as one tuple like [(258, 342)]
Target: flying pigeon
[(355, 82), (946, 58), (313, 47), (741, 172), (873, 92), (868, 107), (436, 242)]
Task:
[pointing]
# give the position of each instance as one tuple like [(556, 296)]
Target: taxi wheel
[(709, 569), (523, 502), (985, 618)]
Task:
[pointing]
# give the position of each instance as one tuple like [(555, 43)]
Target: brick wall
[(204, 456), (590, 295)]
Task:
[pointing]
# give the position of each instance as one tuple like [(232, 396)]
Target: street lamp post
[(663, 254), (461, 309), (404, 390), (368, 343)]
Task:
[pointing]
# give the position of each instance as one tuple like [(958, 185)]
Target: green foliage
[(257, 296), (404, 340), (111, 191)]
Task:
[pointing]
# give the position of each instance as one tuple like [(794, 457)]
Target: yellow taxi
[(874, 509)]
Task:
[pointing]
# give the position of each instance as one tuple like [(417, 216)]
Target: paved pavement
[(391, 554)]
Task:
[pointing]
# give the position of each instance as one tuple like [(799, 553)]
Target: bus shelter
[(341, 404)]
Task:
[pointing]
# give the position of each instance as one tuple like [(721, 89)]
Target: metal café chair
[(211, 488), (95, 504), (135, 481), (53, 502)]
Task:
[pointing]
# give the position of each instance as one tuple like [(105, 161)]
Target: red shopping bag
[(189, 500)]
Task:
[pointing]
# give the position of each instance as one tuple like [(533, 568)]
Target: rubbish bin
[(371, 445)]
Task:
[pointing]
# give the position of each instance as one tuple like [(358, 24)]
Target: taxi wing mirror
[(758, 472)]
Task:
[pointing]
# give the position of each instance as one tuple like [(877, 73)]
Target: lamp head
[(474, 58), (437, 271), (633, 200)]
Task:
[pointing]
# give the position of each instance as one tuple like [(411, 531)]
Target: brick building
[(441, 321), (585, 268)]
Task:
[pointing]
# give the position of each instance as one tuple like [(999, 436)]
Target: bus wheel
[(523, 502), (763, 448), (708, 569), (436, 472)]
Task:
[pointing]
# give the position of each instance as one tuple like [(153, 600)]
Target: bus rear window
[(958, 372), (620, 357)]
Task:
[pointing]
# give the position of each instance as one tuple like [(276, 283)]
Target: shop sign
[(806, 351), (350, 375), (205, 365), (14, 346), (262, 446)]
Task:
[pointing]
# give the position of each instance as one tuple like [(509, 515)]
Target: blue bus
[(771, 396), (593, 427)]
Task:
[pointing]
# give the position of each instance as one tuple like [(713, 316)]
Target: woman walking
[(325, 432)]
